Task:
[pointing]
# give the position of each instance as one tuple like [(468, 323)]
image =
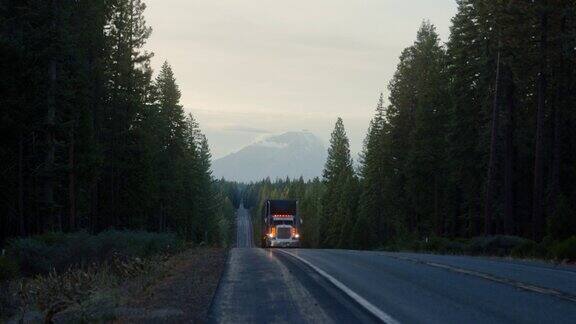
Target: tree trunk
[(50, 142), (537, 200), (161, 218), (557, 115), (439, 222), (490, 179), (509, 156), (21, 220), (97, 136), (112, 208), (72, 182), (94, 199), (48, 178)]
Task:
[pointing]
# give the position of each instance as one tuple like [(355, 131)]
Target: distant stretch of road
[(244, 237), (343, 286)]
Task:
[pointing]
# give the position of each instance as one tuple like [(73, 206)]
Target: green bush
[(59, 251), (443, 245), (529, 249), (434, 244), (131, 243), (565, 250), (498, 245), (33, 256), (8, 269), (52, 238)]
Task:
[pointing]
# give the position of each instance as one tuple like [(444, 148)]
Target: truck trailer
[(280, 224)]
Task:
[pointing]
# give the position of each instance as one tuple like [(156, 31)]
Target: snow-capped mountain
[(291, 154)]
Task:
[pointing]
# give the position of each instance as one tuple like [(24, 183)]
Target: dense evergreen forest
[(478, 138), (90, 138)]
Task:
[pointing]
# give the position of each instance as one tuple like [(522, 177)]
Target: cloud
[(245, 129)]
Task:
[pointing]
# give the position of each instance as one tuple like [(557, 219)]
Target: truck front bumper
[(284, 243)]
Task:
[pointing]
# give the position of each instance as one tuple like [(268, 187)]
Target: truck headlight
[(297, 236)]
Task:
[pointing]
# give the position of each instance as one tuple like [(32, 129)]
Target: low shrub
[(33, 256), (498, 245), (131, 243), (59, 251), (52, 238), (401, 246), (528, 249), (392, 247), (8, 269), (78, 294), (447, 246), (565, 250)]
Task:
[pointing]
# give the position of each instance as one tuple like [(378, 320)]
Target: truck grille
[(284, 233)]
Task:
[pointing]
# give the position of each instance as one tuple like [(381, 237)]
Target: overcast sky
[(249, 68)]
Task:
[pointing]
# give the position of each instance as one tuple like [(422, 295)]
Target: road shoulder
[(185, 294)]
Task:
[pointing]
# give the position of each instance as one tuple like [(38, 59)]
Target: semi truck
[(280, 224)]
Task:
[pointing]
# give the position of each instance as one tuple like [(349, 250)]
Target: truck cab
[(281, 224)]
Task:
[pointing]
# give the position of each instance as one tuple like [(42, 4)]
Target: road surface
[(342, 286), (244, 237)]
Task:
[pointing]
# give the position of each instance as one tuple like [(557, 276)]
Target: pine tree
[(339, 202), (418, 115), (467, 60), (168, 130), (129, 76), (373, 224), (207, 197)]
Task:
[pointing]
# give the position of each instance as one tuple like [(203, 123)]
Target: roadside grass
[(559, 251), (83, 294), (44, 275), (185, 294), (111, 276)]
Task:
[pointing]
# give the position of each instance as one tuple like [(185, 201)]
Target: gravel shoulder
[(184, 295)]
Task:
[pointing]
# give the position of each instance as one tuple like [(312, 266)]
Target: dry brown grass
[(77, 291), (158, 289), (185, 294)]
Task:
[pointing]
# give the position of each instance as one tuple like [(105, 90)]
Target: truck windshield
[(283, 222)]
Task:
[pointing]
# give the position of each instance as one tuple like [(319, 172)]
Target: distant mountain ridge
[(291, 154)]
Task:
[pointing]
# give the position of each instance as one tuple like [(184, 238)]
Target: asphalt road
[(342, 286), (263, 286), (244, 237)]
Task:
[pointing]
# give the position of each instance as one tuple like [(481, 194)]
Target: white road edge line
[(381, 315)]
